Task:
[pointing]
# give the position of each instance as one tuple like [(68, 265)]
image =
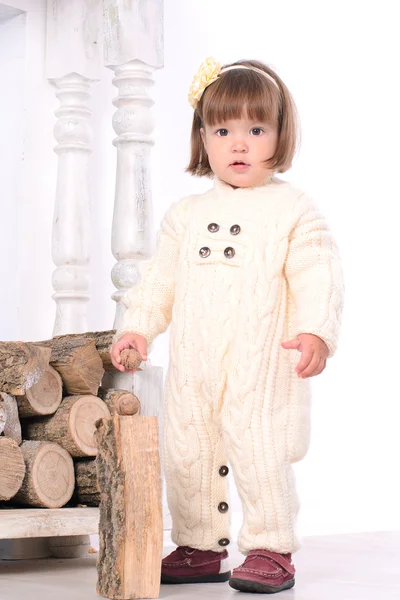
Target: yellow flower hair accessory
[(207, 74)]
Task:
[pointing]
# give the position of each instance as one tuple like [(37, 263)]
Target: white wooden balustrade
[(83, 36)]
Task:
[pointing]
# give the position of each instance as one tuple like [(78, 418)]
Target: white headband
[(209, 72)]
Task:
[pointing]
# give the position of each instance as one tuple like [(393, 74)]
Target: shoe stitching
[(265, 575), (176, 564)]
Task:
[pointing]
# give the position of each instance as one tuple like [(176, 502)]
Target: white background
[(340, 61)]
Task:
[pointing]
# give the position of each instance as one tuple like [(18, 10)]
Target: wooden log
[(12, 425), (120, 401), (86, 486), (78, 363), (44, 397), (12, 468), (49, 479), (21, 366), (72, 426), (130, 529), (103, 341)]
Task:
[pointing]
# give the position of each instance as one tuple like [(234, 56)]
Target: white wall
[(340, 62), (12, 74)]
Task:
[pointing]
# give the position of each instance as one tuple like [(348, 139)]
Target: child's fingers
[(309, 371), (291, 344), (306, 358), (321, 366)]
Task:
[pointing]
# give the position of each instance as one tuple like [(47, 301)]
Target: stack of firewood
[(50, 400)]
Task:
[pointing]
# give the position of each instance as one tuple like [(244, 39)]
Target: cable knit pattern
[(231, 392)]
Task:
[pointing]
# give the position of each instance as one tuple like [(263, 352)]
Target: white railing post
[(133, 49), (73, 63)]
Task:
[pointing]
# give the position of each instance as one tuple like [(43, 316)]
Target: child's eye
[(257, 131), (222, 132)]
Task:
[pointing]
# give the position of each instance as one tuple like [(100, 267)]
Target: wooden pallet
[(47, 522)]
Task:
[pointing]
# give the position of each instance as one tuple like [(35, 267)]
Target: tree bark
[(102, 340), (78, 363), (72, 426), (44, 397), (12, 425), (130, 529), (12, 468), (86, 486), (21, 366), (49, 479)]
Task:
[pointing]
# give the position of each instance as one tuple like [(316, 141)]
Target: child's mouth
[(239, 166)]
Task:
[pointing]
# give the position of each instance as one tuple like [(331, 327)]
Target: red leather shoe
[(264, 572), (188, 565)]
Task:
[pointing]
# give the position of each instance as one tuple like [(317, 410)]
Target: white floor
[(362, 566)]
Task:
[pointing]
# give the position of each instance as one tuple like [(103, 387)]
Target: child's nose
[(240, 145)]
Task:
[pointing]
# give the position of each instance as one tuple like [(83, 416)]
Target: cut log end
[(72, 426), (84, 414), (121, 402), (12, 468), (49, 481), (44, 397)]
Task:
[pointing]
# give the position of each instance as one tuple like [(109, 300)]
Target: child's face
[(237, 148)]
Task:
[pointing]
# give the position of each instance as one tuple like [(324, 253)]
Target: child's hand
[(314, 353), (125, 342)]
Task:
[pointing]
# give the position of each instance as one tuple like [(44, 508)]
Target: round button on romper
[(204, 252), (223, 507)]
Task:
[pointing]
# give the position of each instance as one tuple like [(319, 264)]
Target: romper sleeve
[(314, 274), (149, 302)]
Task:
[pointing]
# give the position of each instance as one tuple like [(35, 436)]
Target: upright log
[(44, 397), (130, 529), (12, 468), (49, 479), (72, 426), (21, 366), (78, 363), (12, 425)]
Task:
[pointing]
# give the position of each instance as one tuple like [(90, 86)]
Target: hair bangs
[(241, 93)]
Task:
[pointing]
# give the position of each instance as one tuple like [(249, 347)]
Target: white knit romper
[(235, 273)]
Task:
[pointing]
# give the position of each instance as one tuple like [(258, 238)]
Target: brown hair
[(239, 91)]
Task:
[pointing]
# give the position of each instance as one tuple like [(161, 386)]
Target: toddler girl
[(245, 274)]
